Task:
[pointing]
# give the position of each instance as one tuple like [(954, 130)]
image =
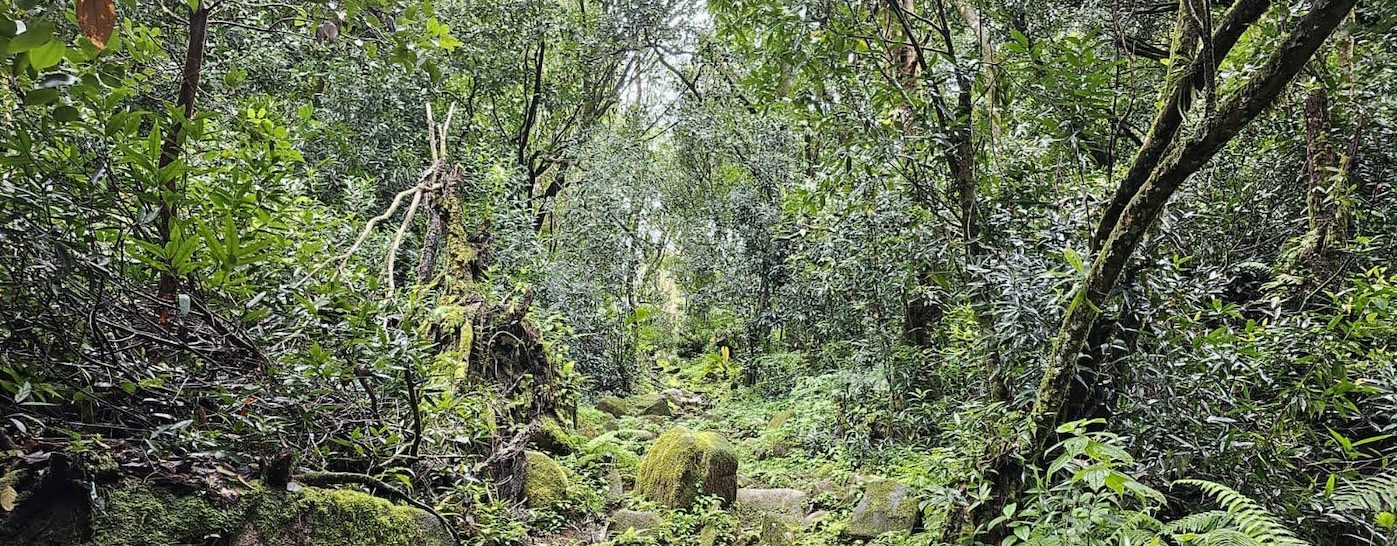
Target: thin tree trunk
[(170, 149)]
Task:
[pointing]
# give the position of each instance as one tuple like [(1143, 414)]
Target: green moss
[(137, 514), (545, 481), (614, 406), (555, 439), (683, 464), (592, 422)]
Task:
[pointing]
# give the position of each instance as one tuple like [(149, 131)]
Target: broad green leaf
[(47, 55)]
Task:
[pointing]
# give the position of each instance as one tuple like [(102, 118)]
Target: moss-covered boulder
[(545, 481), (136, 513), (326, 517), (887, 506), (614, 406), (554, 438), (639, 405), (684, 464)]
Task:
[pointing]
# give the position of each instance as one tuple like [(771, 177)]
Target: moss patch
[(555, 439), (545, 481), (684, 464), (137, 514)]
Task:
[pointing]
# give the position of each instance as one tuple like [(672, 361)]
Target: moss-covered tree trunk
[(1138, 214), (1168, 160)]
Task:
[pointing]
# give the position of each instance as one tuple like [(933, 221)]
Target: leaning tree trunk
[(1168, 161)]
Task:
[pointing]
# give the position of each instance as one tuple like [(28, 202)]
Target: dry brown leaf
[(96, 18), (8, 496)]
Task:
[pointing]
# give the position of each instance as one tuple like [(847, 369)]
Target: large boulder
[(785, 504), (684, 464), (545, 481), (887, 506)]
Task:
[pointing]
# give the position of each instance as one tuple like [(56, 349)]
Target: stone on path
[(785, 504), (887, 506), (641, 521)]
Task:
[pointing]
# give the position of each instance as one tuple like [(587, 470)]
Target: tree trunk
[(1145, 206), (170, 149), (1168, 161)]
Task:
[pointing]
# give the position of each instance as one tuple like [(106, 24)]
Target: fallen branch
[(431, 180)]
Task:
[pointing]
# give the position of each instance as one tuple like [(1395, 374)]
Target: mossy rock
[(332, 517), (887, 506), (684, 464), (639, 405), (545, 481), (135, 513), (614, 406), (651, 404), (554, 438), (592, 422)]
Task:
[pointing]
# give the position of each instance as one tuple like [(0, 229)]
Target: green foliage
[(1377, 493)]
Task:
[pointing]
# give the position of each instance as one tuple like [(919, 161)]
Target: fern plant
[(1371, 494), (1368, 505), (1242, 522), (1099, 502)]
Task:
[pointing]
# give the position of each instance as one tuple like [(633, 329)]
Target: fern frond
[(1138, 529), (1372, 493), (1221, 537), (1201, 522), (1248, 516)]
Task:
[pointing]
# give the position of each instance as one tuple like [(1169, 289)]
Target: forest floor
[(807, 470)]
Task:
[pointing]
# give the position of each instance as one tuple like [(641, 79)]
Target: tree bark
[(170, 149), (1185, 76)]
